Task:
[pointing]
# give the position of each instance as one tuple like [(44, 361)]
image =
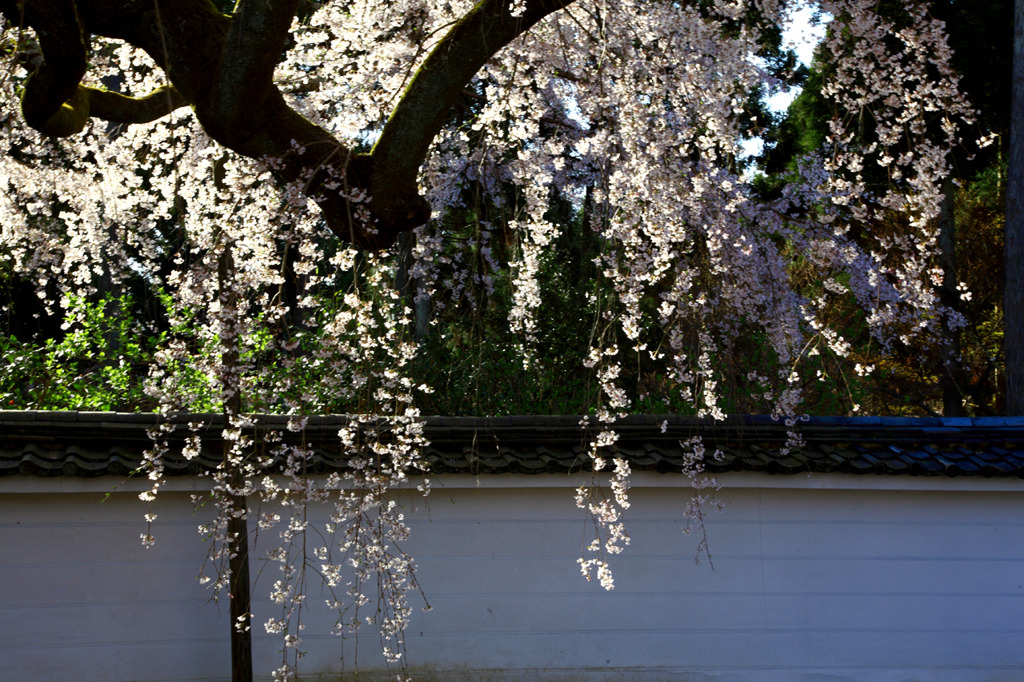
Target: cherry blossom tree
[(253, 168)]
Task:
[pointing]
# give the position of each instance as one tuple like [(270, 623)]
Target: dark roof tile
[(96, 443)]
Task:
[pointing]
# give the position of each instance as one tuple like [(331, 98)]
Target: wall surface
[(812, 580)]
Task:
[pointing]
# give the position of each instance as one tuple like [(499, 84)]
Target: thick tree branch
[(245, 75), (86, 103), (420, 114), (50, 101)]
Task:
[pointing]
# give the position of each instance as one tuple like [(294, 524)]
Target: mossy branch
[(72, 116)]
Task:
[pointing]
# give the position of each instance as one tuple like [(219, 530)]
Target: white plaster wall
[(811, 582)]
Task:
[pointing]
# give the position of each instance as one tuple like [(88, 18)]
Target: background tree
[(1014, 259), (964, 362)]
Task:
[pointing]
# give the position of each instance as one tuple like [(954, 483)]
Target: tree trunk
[(406, 287), (1013, 298), (238, 526), (241, 619), (952, 381)]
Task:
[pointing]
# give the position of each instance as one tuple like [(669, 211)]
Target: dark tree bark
[(953, 381), (406, 286), (239, 582), (223, 68), (1013, 298)]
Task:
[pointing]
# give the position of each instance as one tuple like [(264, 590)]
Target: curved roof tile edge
[(96, 443)]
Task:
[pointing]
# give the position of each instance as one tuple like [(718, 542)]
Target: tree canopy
[(342, 206), (223, 68)]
